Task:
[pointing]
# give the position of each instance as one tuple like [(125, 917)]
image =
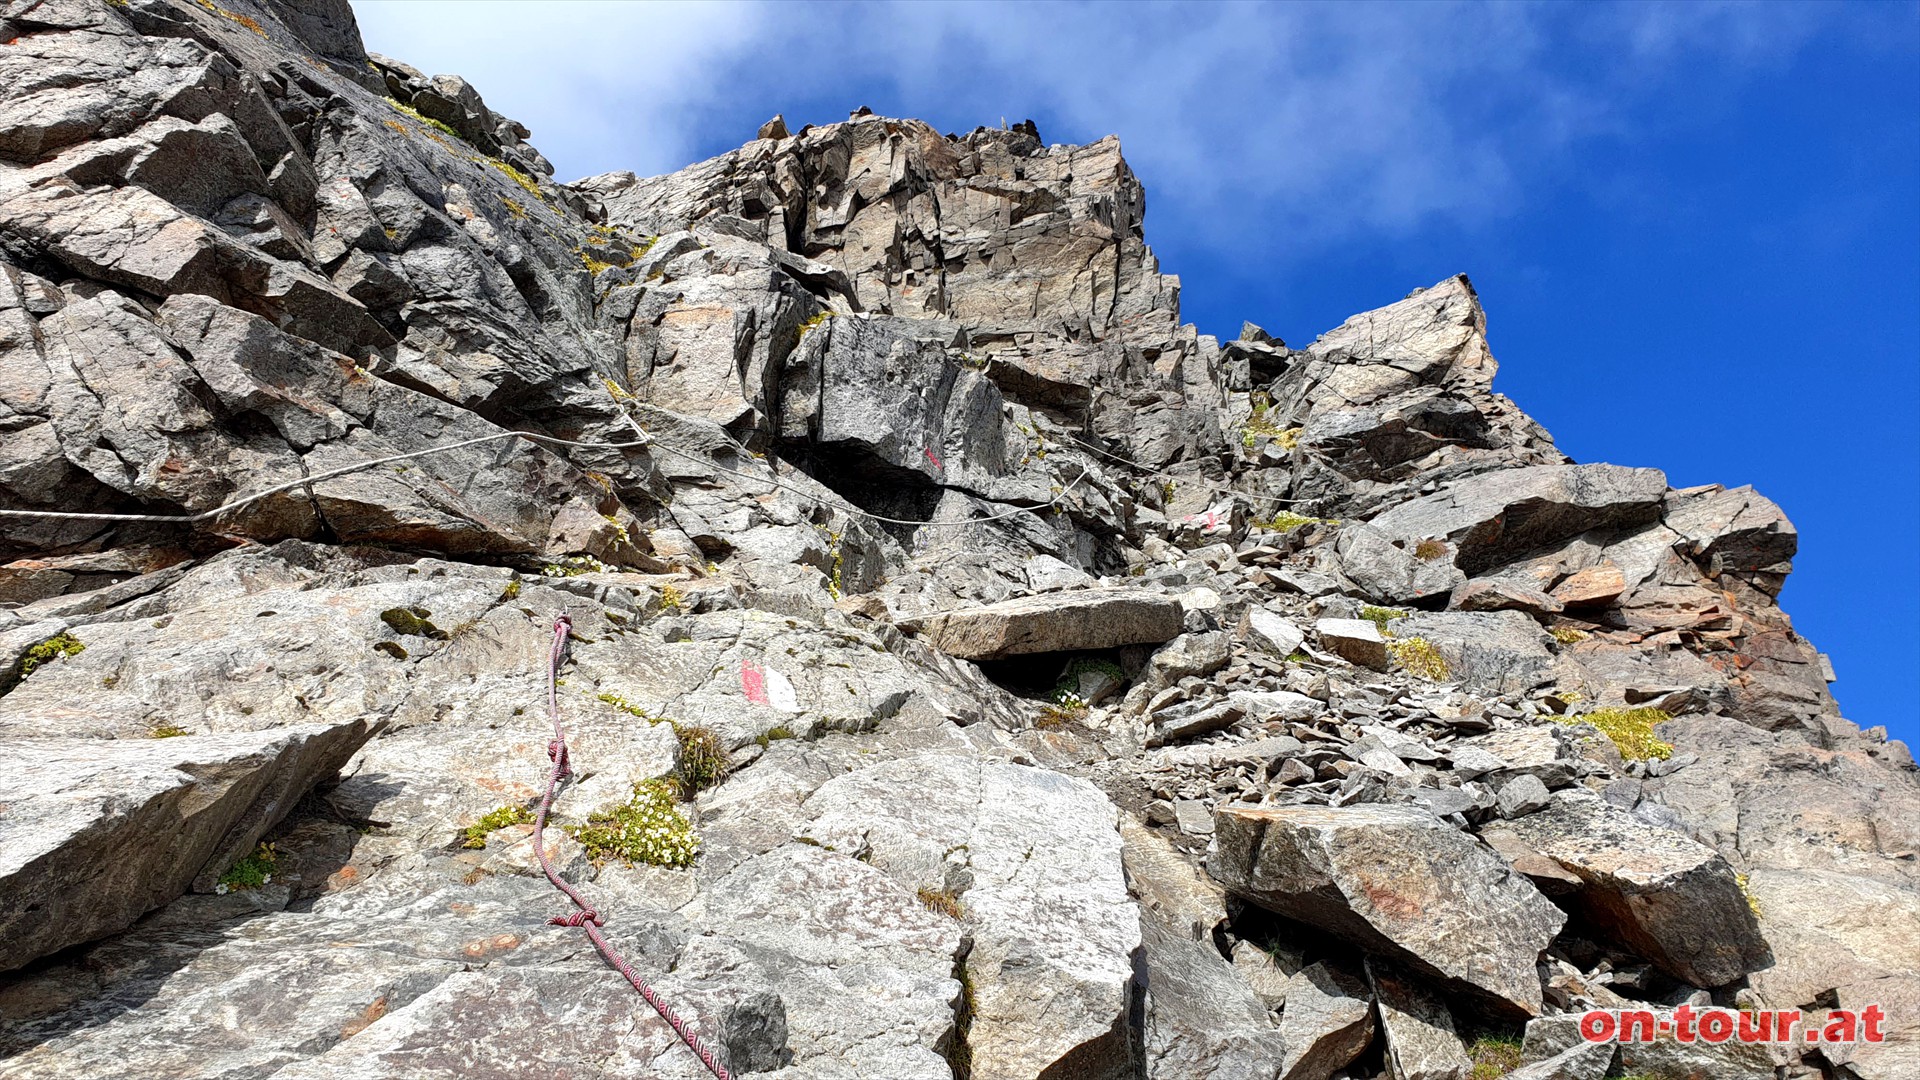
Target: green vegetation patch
[(1418, 657), (1630, 729), (1567, 635), (1287, 521), (412, 620), (55, 647), (427, 120), (251, 872), (645, 829), (475, 836), (1381, 616), (1493, 1056)]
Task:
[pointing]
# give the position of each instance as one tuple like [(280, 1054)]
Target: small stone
[(1523, 795)]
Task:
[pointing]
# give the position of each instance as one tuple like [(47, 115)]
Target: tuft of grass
[(1493, 1056), (704, 759), (526, 182), (1567, 635), (941, 902), (476, 834), (1630, 729), (166, 730), (574, 566), (1287, 521), (55, 647), (1418, 657), (1068, 709), (1381, 616), (511, 592), (671, 599), (251, 872), (644, 829), (427, 120), (800, 332), (1429, 550)]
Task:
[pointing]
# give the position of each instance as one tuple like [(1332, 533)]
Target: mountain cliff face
[(1096, 699)]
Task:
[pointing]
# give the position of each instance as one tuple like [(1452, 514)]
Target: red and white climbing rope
[(587, 917)]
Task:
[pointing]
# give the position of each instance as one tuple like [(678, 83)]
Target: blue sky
[(1695, 227)]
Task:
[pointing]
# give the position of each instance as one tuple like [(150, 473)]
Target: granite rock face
[(1053, 690)]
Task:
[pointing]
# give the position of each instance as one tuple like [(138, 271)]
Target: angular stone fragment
[(1397, 882), (1053, 622), (1035, 860), (1662, 895), (1421, 1041), (1585, 1061), (865, 969), (1189, 654), (1522, 795), (1327, 1023), (1271, 632), (1202, 1022), (1494, 594), (1536, 751), (1500, 515), (1357, 641), (1593, 587), (98, 832)]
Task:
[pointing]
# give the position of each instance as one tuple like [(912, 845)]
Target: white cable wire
[(645, 441), (205, 515), (1150, 469)]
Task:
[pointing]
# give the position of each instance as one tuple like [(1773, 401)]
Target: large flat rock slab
[(1399, 883), (1033, 859), (1667, 897), (1052, 622), (97, 832)]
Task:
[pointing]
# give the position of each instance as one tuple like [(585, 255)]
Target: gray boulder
[(98, 832), (1668, 898), (1328, 1021), (1495, 517), (1399, 883), (1053, 622)]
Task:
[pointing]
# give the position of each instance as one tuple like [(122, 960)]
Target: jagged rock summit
[(976, 671)]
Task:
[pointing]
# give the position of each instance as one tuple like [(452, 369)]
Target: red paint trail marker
[(753, 682)]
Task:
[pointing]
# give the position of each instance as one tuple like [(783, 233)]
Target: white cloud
[(1308, 123), (603, 85)]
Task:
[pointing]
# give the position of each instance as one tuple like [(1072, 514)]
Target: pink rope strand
[(587, 917)]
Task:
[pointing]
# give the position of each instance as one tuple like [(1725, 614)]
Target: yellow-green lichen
[(1629, 729), (475, 835), (1418, 657), (1381, 616), (412, 620), (55, 647), (427, 120)]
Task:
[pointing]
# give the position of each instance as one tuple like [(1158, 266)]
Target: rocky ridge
[(1234, 711)]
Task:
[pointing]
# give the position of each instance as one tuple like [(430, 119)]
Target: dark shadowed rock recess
[(1244, 712)]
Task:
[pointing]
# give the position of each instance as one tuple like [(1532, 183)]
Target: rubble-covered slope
[(1098, 699)]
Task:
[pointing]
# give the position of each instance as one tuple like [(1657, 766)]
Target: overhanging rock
[(1399, 883), (1052, 622), (98, 832)]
